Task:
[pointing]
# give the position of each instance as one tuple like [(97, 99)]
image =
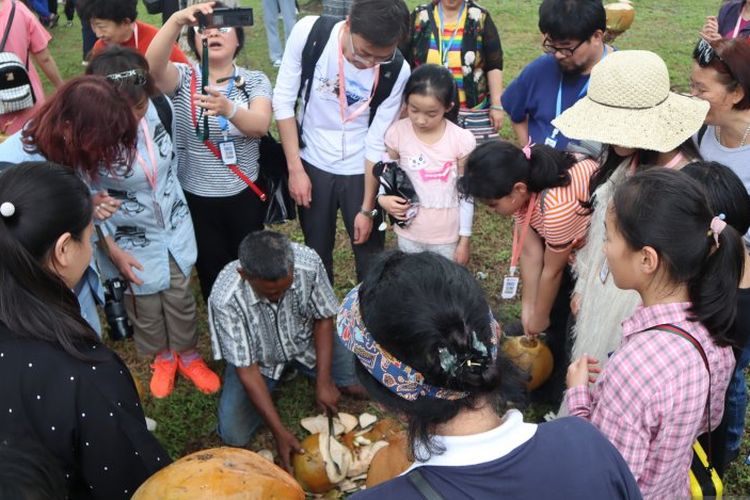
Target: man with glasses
[(350, 94), (573, 43)]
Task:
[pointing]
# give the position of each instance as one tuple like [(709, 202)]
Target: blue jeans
[(41, 7), (736, 403), (271, 10), (238, 418)]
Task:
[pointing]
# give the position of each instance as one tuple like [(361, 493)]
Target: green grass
[(187, 419)]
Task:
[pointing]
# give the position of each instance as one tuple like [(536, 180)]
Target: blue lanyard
[(223, 122), (558, 108), (446, 48)]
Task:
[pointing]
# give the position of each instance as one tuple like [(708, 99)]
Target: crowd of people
[(629, 249)]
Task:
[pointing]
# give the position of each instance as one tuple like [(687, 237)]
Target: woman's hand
[(394, 205), (461, 255), (496, 119), (710, 31), (215, 102), (105, 206), (582, 371), (188, 15), (125, 262)]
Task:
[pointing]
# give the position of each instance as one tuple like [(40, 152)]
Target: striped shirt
[(650, 399), (558, 217), (247, 329), (454, 58), (200, 172)]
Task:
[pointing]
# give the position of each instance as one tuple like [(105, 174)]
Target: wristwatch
[(370, 214)]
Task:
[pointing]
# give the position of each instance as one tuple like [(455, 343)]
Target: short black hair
[(266, 255), (383, 23), (571, 19), (118, 59), (118, 11), (197, 51), (436, 81)]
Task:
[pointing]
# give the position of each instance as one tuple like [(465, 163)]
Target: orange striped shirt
[(558, 217)]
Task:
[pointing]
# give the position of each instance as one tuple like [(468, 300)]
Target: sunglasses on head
[(705, 54), (130, 77)]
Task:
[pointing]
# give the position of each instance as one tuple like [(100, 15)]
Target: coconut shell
[(221, 474), (620, 16), (383, 429), (389, 461), (310, 468), (531, 356)]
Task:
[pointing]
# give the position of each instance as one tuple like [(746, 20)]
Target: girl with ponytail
[(542, 188), (685, 262), (58, 383)]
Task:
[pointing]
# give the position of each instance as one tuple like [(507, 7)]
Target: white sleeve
[(290, 72), (465, 216), (387, 113)]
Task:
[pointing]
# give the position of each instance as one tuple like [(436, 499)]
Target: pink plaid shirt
[(650, 399)]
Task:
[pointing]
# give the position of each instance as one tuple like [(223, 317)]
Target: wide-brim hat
[(629, 104)]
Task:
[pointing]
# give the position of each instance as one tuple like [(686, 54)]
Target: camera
[(120, 327), (224, 16)]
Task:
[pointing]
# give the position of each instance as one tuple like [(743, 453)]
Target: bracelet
[(497, 107), (234, 111)]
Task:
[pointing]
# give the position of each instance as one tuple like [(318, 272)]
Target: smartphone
[(224, 16)]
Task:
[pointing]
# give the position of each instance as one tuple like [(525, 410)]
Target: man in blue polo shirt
[(573, 40)]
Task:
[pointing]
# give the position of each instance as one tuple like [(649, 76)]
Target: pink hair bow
[(717, 226)]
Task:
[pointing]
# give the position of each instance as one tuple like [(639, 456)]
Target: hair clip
[(7, 209), (717, 226), (447, 361), (527, 149)]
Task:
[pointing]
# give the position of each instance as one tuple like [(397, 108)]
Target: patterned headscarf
[(395, 375)]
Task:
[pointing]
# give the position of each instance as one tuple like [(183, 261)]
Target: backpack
[(16, 92), (316, 42), (164, 110)]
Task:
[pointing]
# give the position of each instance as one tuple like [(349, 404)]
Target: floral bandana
[(396, 376)]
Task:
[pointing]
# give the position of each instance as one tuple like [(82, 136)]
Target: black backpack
[(16, 92), (316, 42)]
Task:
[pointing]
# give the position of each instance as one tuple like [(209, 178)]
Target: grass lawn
[(187, 419)]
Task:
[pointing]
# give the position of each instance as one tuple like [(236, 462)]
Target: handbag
[(16, 92), (394, 182), (704, 480), (274, 178)]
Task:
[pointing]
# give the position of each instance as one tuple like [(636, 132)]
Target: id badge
[(158, 214), (604, 272), (228, 153), (549, 141), (510, 287)]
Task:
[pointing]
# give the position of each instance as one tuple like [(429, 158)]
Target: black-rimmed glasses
[(564, 51)]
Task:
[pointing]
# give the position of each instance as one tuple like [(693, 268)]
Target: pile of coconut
[(361, 451)]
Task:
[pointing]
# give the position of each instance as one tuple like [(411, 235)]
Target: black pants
[(330, 193), (220, 226)]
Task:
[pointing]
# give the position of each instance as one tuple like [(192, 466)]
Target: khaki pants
[(166, 320)]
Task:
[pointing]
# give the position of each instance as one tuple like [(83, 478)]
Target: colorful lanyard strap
[(739, 22), (518, 239), (343, 105), (444, 49), (223, 122)]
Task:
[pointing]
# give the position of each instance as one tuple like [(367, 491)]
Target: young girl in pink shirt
[(431, 149)]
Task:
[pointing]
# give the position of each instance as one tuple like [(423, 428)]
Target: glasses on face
[(136, 77), (368, 60), (207, 31), (564, 51)]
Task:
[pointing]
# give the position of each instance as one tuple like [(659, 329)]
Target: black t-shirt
[(87, 414), (742, 322), (566, 458)]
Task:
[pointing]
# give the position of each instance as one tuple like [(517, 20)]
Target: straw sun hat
[(629, 104)]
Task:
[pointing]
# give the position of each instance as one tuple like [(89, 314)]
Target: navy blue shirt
[(534, 94), (565, 458)]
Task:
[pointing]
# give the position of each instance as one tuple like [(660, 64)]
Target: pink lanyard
[(517, 248), (151, 175), (739, 22), (342, 89)]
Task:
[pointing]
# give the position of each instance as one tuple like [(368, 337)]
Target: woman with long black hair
[(59, 385)]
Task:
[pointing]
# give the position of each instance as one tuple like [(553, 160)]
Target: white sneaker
[(277, 63)]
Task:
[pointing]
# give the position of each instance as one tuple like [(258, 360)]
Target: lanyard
[(223, 122), (558, 105), (215, 151), (135, 34), (342, 90), (739, 22), (442, 47), (151, 174), (518, 240)]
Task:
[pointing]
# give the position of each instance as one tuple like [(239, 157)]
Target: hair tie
[(7, 209), (527, 149), (717, 226)]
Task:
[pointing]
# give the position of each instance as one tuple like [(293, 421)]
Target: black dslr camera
[(224, 16), (120, 327)]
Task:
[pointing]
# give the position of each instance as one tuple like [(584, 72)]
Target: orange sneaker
[(199, 374), (162, 381)]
